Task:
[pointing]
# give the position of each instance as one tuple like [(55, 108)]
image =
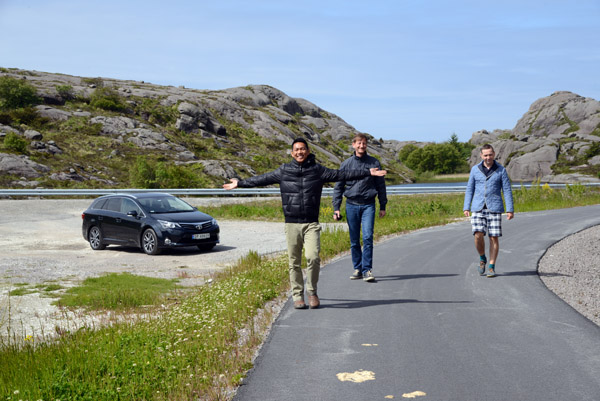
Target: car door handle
[(118, 220), (100, 217)]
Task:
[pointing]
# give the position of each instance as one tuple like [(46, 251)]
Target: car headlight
[(214, 222), (168, 224)]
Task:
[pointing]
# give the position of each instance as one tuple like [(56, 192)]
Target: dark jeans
[(357, 216)]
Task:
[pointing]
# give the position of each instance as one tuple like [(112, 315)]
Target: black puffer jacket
[(301, 186)]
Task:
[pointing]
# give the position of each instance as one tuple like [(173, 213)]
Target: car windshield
[(165, 204)]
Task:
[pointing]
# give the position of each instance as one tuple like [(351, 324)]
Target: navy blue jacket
[(360, 191), (301, 185)]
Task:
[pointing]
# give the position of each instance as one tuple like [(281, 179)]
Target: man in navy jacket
[(360, 207), (301, 184), (483, 203)]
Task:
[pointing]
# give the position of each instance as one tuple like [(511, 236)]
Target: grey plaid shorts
[(486, 221)]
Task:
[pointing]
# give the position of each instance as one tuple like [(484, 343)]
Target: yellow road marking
[(414, 394), (358, 376)]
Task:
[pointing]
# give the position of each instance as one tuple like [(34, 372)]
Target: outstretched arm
[(377, 173), (328, 175), (232, 184)]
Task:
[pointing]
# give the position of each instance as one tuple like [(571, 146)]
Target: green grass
[(543, 197), (51, 287), (265, 209), (18, 292), (25, 289), (193, 350), (429, 177), (117, 291), (201, 346)]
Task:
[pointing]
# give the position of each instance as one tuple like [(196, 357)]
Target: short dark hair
[(487, 146), (360, 137), (301, 140)]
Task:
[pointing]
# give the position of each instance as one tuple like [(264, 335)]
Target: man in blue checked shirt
[(483, 203)]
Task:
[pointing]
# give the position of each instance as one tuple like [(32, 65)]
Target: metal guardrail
[(391, 190)]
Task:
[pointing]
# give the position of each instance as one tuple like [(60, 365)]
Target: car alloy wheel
[(95, 239), (150, 242)]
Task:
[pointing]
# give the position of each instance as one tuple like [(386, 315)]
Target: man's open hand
[(232, 184), (378, 173)]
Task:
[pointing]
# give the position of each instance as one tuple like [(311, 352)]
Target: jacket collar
[(310, 160), (360, 158), (490, 171)]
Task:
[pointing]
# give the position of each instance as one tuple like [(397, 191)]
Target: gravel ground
[(41, 243), (571, 269)]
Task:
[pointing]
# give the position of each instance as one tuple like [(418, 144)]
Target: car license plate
[(201, 236)]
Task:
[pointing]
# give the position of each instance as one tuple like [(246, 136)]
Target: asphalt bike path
[(431, 328)]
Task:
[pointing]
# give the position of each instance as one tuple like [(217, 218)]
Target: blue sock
[(492, 266), (483, 258)]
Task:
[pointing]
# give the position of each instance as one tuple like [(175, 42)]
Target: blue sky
[(405, 70)]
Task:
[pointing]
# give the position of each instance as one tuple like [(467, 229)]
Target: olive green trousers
[(307, 236)]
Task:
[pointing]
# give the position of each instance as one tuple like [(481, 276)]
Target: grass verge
[(201, 347), (117, 292), (429, 177), (197, 349)]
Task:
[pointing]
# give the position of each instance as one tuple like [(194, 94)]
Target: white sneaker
[(368, 276), (356, 275)]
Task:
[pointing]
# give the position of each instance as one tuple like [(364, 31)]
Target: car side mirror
[(132, 213)]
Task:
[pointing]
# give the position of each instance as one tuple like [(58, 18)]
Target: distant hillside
[(557, 140), (77, 132), (102, 132)]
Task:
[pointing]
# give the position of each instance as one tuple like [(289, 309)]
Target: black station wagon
[(151, 221)]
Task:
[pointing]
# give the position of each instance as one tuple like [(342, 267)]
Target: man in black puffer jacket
[(301, 184)]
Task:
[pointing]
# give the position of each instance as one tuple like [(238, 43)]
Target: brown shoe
[(299, 304), (313, 301)]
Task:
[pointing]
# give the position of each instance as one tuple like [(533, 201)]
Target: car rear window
[(113, 204), (98, 203)]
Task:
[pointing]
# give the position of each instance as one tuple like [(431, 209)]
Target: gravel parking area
[(42, 243)]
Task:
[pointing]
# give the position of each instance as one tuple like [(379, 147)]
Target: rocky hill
[(98, 132), (557, 140), (80, 132)]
